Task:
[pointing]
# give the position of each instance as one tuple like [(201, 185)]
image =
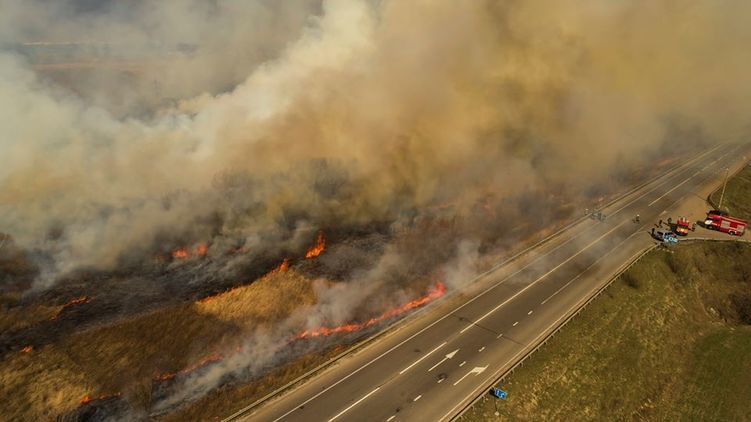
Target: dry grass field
[(126, 356)]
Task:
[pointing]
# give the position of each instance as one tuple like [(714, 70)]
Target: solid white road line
[(657, 183), (354, 404), (420, 360), (569, 282), (502, 367), (594, 263), (542, 277), (668, 175), (692, 176)]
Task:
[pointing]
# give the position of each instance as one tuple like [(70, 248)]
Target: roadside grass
[(737, 194), (664, 342)]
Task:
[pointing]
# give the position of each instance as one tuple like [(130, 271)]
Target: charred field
[(199, 201), (192, 325)]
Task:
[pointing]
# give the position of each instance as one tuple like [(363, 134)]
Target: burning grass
[(128, 356), (133, 358)]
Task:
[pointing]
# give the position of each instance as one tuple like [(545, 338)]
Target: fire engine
[(721, 221), (682, 226)]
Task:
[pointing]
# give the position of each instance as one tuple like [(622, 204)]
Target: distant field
[(737, 198), (669, 340)]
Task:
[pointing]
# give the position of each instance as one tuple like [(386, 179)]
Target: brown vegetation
[(127, 356)]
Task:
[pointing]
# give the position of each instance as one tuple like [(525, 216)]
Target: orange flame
[(72, 302), (27, 349), (284, 266), (434, 293), (205, 361), (182, 253), (316, 249), (87, 398), (201, 249)]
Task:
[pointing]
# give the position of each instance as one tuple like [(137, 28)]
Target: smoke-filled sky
[(295, 115)]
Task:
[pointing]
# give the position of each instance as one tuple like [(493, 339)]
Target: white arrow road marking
[(420, 360), (477, 371), (445, 358)]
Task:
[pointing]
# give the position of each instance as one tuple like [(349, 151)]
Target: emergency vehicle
[(721, 221), (682, 226)]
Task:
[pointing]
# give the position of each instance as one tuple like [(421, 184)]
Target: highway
[(437, 363)]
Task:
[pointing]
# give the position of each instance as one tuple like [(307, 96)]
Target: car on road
[(665, 236)]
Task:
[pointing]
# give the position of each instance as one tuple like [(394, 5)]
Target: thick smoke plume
[(372, 109), (251, 125)]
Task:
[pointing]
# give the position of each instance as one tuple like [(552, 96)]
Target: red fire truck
[(719, 220), (682, 226)]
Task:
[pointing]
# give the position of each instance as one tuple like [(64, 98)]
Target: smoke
[(251, 124), (375, 108)]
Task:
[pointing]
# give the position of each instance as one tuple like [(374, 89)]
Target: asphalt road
[(432, 367)]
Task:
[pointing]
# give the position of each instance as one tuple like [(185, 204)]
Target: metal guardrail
[(574, 312), (544, 340), (400, 323)]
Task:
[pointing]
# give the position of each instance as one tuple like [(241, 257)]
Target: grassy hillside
[(737, 198), (669, 340)]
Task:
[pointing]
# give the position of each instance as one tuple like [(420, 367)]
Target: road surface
[(434, 366)]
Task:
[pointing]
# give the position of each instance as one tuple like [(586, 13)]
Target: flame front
[(72, 302), (203, 362), (27, 349), (284, 266), (316, 249), (434, 293), (87, 398), (182, 253)]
